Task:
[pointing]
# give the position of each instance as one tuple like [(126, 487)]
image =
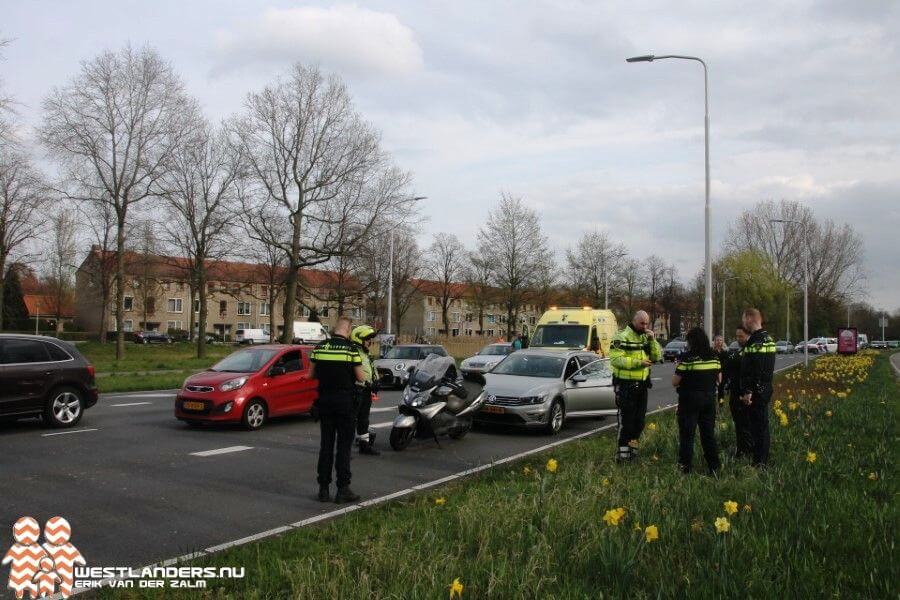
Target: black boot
[(345, 494), (324, 494), (368, 448)]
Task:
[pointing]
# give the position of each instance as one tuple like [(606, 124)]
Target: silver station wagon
[(540, 388)]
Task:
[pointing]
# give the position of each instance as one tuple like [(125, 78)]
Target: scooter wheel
[(401, 437)]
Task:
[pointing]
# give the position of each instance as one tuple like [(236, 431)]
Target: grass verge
[(817, 523), (152, 357), (142, 383)]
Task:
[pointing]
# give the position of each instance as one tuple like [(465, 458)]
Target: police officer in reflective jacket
[(338, 367), (740, 412), (365, 438), (697, 378), (632, 351), (757, 369)]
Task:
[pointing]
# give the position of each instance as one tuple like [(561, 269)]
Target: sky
[(476, 98)]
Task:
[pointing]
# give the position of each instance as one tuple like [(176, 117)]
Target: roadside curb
[(323, 517)]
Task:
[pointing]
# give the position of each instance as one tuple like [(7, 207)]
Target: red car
[(249, 386)]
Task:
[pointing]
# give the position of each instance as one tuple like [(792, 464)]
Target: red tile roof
[(45, 306)]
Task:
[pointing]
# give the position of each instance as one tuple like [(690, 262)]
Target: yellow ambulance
[(583, 327)]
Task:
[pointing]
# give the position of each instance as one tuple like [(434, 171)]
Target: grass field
[(819, 522)]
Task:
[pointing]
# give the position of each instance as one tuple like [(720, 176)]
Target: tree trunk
[(2, 288), (290, 298), (201, 326), (192, 291), (444, 310), (272, 328), (104, 309), (120, 287)]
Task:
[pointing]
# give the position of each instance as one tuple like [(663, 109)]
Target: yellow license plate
[(494, 410), (193, 406)]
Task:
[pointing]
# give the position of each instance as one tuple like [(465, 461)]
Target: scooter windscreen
[(432, 371)]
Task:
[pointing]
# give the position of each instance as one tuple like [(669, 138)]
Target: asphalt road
[(129, 480)]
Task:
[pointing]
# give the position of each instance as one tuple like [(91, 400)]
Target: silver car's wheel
[(254, 415), (556, 418), (64, 408)]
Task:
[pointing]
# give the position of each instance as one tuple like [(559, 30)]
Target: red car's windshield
[(250, 360)]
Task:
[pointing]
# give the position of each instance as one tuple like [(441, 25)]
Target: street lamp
[(707, 300), (390, 290), (724, 281), (805, 286)]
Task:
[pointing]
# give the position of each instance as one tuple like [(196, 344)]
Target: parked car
[(674, 349), (893, 343), (249, 386), (542, 388), (814, 346), (152, 337), (878, 344), (394, 368), (784, 347), (251, 336), (826, 345), (485, 360), (44, 377), (309, 332)]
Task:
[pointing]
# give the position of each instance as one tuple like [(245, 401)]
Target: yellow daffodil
[(637, 526), (655, 457), (697, 526), (873, 476), (782, 418), (778, 403), (456, 589), (440, 501), (811, 457), (651, 534), (793, 406), (651, 427), (527, 471), (605, 481), (614, 516), (722, 525), (730, 507), (747, 508), (552, 465), (828, 413)]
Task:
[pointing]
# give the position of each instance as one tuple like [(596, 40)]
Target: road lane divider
[(218, 451), (132, 404), (68, 432), (386, 498)]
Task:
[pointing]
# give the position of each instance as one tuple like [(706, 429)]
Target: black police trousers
[(697, 410), (337, 423), (631, 398), (740, 414), (363, 410), (759, 425)]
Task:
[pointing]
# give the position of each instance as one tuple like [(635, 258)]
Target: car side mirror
[(578, 378), (277, 370)]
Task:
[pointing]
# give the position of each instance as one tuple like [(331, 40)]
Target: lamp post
[(805, 286), (707, 299), (724, 281)]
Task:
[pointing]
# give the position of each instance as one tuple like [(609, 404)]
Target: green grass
[(813, 530), (152, 357)]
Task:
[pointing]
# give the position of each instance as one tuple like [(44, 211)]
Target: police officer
[(740, 412), (632, 351), (721, 351), (697, 378), (365, 438), (338, 367), (757, 369)]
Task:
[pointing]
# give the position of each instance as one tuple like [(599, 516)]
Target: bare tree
[(101, 221), (318, 164), (61, 261), (592, 263), (22, 198), (113, 128), (631, 277), (477, 276), (144, 264), (6, 111), (370, 268), (408, 268), (271, 261), (656, 271), (200, 191), (444, 265), (512, 242)]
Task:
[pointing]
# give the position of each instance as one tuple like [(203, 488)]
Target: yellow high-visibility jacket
[(627, 351)]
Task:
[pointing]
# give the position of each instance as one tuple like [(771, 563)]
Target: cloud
[(348, 39)]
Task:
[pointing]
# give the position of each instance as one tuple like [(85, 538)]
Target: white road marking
[(132, 404), (385, 409), (68, 432), (380, 500), (379, 425), (222, 451)]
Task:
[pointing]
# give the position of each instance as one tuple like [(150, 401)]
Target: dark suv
[(45, 377)]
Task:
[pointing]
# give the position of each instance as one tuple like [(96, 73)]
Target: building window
[(264, 290), (431, 316), (128, 303), (175, 305), (173, 325), (456, 318), (180, 285), (223, 307), (324, 312), (127, 325), (150, 305), (490, 319), (429, 331), (243, 308), (263, 309), (454, 332), (490, 332), (532, 320), (243, 325), (196, 306)]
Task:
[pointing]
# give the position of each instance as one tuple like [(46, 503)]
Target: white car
[(485, 360), (829, 343), (251, 336)]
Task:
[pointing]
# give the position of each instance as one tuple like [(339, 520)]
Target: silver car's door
[(591, 388)]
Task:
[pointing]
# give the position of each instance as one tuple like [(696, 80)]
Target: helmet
[(361, 333)]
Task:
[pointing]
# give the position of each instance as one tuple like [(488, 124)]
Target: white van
[(251, 336), (307, 332)]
